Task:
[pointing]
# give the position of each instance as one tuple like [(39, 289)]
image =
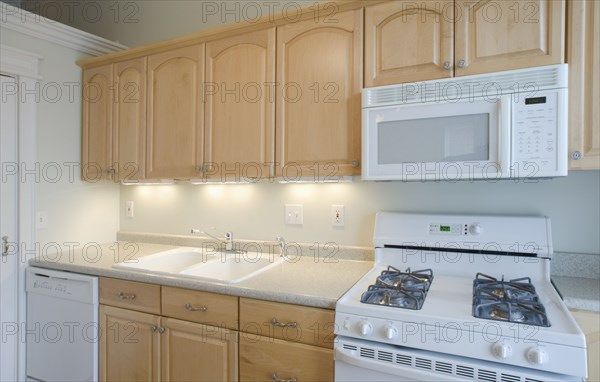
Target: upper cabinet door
[(175, 113), (583, 57), (240, 107), (408, 41), (319, 76), (129, 119), (502, 35), (96, 145)]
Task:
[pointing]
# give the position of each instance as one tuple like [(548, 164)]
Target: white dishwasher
[(62, 326)]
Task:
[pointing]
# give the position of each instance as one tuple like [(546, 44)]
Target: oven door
[(438, 141), (355, 363)]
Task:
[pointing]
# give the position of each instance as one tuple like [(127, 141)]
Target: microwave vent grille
[(489, 86)]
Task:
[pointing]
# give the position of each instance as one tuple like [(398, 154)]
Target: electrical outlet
[(41, 220), (129, 209), (338, 215), (294, 214)]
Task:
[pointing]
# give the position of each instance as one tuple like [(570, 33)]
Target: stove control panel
[(448, 229)]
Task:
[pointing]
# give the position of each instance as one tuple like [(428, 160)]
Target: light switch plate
[(41, 219), (294, 214)]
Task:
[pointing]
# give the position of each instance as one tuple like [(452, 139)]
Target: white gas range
[(458, 298)]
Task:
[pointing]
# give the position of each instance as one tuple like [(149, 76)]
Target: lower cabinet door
[(269, 359), (129, 345), (196, 352)]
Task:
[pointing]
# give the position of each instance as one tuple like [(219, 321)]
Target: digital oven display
[(445, 228), (535, 101)]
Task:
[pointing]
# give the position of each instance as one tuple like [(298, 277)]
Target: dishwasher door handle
[(4, 245)]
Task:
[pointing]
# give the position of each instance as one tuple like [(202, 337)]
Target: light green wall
[(77, 212), (256, 211)]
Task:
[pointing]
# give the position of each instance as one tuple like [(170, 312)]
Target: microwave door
[(447, 141)]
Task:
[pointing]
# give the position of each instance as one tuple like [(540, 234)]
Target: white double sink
[(224, 267)]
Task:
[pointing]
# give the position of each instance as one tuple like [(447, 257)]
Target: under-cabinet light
[(148, 182), (218, 181), (309, 179)]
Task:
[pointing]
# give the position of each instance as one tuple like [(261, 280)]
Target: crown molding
[(22, 21)]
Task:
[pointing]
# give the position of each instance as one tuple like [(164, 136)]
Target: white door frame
[(24, 66)]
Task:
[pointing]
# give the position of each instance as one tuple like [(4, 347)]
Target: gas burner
[(512, 301), (399, 289)]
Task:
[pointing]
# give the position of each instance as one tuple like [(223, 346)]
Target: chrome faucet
[(282, 245), (228, 238)]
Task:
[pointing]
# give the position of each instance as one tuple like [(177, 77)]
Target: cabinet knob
[(447, 65), (153, 329), (576, 155), (462, 64), (355, 163)]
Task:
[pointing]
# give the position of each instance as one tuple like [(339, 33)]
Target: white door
[(8, 230)]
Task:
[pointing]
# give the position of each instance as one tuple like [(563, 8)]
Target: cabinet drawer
[(130, 295), (261, 358), (294, 323), (203, 307)]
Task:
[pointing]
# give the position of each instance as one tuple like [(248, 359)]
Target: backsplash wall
[(256, 211)]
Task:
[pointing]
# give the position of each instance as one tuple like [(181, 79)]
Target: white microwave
[(509, 124)]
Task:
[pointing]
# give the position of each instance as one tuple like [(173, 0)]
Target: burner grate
[(399, 289), (512, 301)]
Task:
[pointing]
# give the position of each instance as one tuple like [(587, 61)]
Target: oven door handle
[(351, 357)]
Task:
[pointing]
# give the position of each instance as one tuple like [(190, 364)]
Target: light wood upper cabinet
[(503, 35), (319, 75), (583, 57), (129, 119), (240, 106), (196, 352), (175, 114), (407, 41), (129, 345), (96, 145)]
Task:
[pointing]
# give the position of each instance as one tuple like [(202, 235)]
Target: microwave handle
[(504, 134)]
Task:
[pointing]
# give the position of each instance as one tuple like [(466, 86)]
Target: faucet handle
[(195, 231)]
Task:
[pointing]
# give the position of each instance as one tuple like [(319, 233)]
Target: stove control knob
[(502, 350), (365, 328), (475, 229), (537, 356), (390, 332)]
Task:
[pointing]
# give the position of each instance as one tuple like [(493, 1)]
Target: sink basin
[(231, 268), (194, 263)]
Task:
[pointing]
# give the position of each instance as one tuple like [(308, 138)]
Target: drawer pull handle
[(277, 379), (126, 296), (191, 308), (292, 324)]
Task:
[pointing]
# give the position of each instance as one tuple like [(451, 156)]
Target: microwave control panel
[(535, 132)]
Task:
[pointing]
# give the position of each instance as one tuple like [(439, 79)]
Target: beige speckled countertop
[(305, 280)]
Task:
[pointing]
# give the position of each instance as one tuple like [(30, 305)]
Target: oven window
[(457, 138)]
